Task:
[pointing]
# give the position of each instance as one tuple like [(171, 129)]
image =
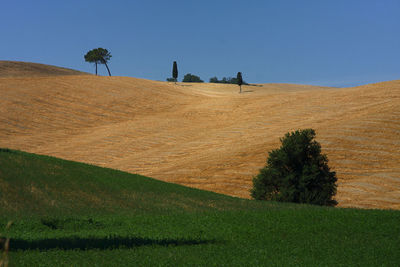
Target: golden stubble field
[(206, 135)]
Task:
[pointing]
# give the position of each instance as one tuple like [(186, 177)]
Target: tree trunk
[(240, 89), (96, 68), (109, 73)]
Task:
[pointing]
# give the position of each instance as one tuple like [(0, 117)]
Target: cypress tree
[(175, 71), (239, 81)]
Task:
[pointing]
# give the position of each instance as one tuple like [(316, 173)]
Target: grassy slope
[(41, 185), (67, 213)]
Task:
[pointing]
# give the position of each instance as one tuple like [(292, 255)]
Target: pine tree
[(104, 56), (98, 56), (92, 58)]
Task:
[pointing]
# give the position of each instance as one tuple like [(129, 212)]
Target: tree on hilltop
[(239, 81), (91, 58), (104, 56), (190, 78), (98, 56), (175, 71), (214, 79), (227, 80)]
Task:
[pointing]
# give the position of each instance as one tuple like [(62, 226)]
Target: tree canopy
[(91, 57), (190, 78), (98, 56), (296, 172), (228, 80)]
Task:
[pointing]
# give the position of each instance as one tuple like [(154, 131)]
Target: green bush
[(296, 172), (214, 80), (171, 80), (227, 80), (190, 78)]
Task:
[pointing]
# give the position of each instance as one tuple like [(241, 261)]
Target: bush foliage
[(190, 78), (228, 80), (296, 172)]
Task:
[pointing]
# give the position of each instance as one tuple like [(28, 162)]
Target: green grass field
[(72, 214)]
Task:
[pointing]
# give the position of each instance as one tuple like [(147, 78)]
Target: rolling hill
[(28, 69), (206, 136)]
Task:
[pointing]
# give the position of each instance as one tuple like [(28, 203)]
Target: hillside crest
[(29, 69)]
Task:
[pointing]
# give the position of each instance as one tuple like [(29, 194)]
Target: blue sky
[(322, 42)]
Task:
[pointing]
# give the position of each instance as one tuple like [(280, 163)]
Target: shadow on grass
[(77, 243)]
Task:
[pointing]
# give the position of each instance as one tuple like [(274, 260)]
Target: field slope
[(40, 186), (29, 69), (207, 135), (72, 214)]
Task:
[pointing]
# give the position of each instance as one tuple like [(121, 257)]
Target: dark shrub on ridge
[(190, 78)]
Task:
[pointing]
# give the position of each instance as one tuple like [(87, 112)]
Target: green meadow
[(73, 214)]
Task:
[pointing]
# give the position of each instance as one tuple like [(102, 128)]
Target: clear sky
[(322, 42)]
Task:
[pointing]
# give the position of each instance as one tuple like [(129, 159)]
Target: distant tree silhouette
[(227, 80), (175, 71), (104, 56), (214, 80), (239, 80), (190, 78), (98, 56), (91, 58)]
